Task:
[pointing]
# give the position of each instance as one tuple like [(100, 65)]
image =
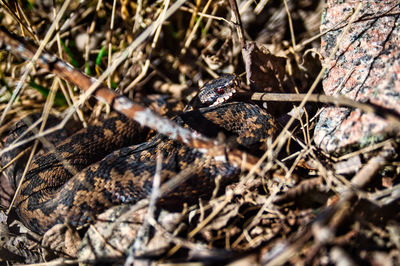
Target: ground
[(316, 196)]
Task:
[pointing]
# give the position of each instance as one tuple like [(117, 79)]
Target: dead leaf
[(265, 72), (62, 239)]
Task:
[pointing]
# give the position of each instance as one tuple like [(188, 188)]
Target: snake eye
[(220, 90)]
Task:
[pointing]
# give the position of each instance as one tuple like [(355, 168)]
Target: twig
[(292, 37), (21, 23), (368, 171), (237, 22), (338, 100)]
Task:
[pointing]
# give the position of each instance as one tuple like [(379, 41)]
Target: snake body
[(112, 163)]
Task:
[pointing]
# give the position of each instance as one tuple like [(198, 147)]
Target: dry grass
[(293, 206)]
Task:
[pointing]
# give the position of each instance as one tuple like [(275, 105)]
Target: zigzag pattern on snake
[(115, 162)]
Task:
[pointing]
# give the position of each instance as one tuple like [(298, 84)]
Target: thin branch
[(237, 22), (338, 100)]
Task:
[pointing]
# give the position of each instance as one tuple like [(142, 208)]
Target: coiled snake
[(113, 163)]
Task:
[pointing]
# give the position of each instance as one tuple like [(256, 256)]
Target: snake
[(113, 161)]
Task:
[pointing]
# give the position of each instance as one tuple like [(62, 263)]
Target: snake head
[(218, 91)]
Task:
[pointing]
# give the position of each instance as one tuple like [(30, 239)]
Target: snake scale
[(114, 161)]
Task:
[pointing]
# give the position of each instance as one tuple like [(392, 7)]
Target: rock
[(366, 68)]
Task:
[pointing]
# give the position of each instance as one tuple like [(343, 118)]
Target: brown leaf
[(265, 72), (63, 239)]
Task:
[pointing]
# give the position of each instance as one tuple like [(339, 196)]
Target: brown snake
[(113, 162), (114, 166)]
